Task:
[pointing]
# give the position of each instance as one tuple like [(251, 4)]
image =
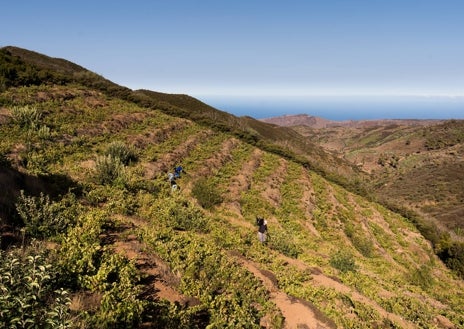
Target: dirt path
[(273, 183), (218, 159), (298, 313), (157, 135), (242, 182), (158, 281)]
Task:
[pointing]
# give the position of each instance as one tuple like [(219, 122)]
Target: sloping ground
[(414, 165), (332, 258), (24, 67), (365, 144)]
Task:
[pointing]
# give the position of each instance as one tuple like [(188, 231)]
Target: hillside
[(24, 67), (415, 163), (107, 243)]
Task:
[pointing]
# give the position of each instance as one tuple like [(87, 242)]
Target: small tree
[(28, 299)]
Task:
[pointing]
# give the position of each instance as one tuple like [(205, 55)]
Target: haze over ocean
[(343, 108)]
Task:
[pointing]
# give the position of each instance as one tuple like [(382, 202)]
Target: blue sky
[(351, 57)]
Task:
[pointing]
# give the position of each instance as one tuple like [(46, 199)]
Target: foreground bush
[(42, 217), (28, 298), (87, 265)]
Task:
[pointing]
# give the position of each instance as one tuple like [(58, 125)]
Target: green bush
[(452, 253), (42, 217), (206, 193), (80, 254), (422, 276), (180, 214), (26, 116), (44, 133), (109, 170), (117, 279), (86, 264), (233, 297), (363, 245), (121, 151), (28, 299), (343, 261)]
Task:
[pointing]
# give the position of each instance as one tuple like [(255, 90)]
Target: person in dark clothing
[(174, 185), (262, 229)]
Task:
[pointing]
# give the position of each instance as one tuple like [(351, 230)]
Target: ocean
[(343, 108)]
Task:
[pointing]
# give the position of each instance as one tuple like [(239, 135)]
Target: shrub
[(121, 151), (120, 305), (180, 214), (452, 253), (363, 245), (206, 193), (28, 299), (44, 218), (343, 261), (81, 250), (86, 264), (43, 133), (26, 116), (422, 276), (109, 170)]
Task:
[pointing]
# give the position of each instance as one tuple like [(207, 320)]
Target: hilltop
[(89, 217)]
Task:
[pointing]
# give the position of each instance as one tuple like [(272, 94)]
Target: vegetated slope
[(26, 67), (134, 253), (417, 165)]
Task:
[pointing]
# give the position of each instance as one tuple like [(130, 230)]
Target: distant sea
[(343, 108)]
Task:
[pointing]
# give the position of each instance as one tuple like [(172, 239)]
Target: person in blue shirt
[(177, 171)]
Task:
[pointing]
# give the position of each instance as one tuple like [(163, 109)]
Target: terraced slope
[(416, 164), (332, 259)]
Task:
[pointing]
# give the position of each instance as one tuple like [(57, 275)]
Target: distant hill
[(317, 122), (94, 235)]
